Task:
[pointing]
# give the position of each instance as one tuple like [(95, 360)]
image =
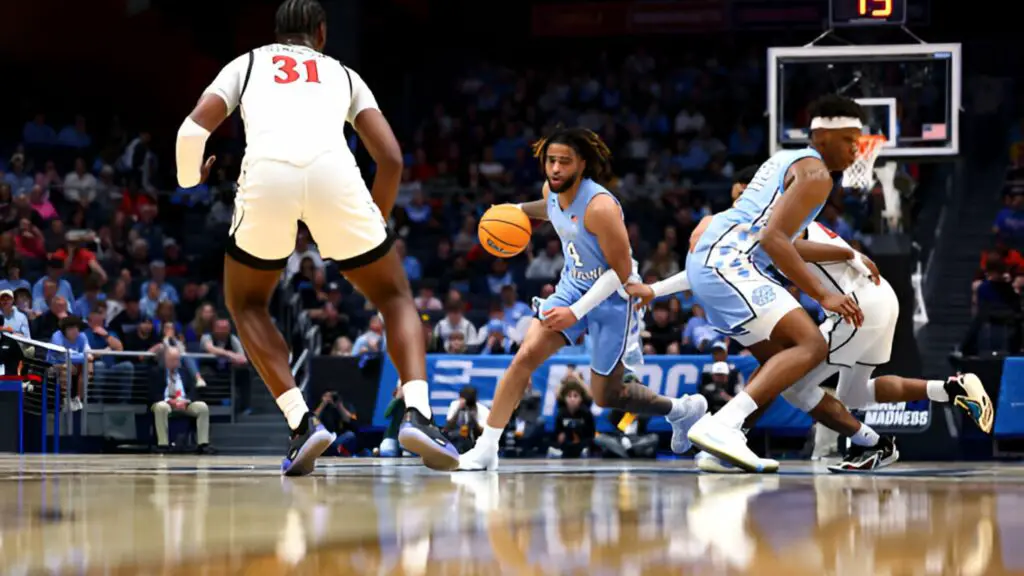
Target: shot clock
[(867, 12)]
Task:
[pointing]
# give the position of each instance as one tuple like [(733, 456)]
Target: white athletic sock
[(293, 405), (866, 436), (417, 396), (735, 411), (678, 409), (491, 436), (937, 391)]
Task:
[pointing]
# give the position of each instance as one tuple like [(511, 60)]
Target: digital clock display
[(867, 12)]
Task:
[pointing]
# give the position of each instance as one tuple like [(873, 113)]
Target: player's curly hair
[(832, 105), (588, 145), (299, 18)]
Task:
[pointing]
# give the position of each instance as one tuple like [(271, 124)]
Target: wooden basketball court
[(237, 515)]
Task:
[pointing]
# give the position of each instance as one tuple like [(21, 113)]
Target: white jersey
[(294, 102), (838, 275)]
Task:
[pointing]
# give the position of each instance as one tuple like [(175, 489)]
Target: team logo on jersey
[(763, 295)]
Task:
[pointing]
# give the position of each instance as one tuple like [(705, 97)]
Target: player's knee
[(803, 396), (529, 357), (816, 349)]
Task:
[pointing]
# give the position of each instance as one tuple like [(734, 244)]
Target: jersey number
[(286, 65), (571, 249)]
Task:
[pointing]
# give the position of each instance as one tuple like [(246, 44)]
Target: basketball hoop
[(861, 174)]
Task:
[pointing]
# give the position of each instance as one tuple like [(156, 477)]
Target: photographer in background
[(574, 422), (465, 418), (524, 435), (339, 418), (998, 305), (720, 388)]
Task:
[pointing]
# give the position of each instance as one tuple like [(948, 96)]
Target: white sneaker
[(479, 458), (694, 406), (727, 443), (76, 404), (554, 452), (707, 462)]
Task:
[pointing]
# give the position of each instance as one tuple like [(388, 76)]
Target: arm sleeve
[(228, 84), (362, 96)]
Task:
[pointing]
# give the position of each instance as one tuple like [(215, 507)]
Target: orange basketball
[(504, 230)]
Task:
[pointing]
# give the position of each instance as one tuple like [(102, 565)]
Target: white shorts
[(871, 343), (328, 195)]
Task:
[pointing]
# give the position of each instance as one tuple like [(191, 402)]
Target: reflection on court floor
[(227, 515)]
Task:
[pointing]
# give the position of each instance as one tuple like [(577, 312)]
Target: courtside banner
[(669, 375), (1010, 404), (899, 417)]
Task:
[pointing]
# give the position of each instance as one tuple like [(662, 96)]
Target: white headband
[(835, 123)]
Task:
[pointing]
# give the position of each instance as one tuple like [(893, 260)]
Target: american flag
[(933, 132)]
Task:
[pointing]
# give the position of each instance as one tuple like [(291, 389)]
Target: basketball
[(504, 230)]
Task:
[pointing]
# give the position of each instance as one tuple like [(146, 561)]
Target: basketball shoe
[(481, 457), (967, 392), (418, 435), (690, 409), (868, 458), (707, 462), (727, 443), (309, 441)]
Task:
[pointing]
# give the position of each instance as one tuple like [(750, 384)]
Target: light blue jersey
[(739, 228), (727, 267), (613, 325)]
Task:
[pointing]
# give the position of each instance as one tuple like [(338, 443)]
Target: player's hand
[(560, 318), (204, 172), (845, 306), (875, 275), (641, 292)]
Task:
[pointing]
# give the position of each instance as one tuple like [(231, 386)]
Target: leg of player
[(384, 283), (539, 345), (963, 390), (633, 397), (247, 293), (721, 433)]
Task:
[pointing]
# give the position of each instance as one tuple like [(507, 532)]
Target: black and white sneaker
[(418, 435), (968, 393), (868, 459), (309, 441)]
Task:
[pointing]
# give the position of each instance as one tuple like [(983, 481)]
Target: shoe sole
[(434, 456), (305, 460), (715, 466), (712, 448), (686, 423), (976, 391)]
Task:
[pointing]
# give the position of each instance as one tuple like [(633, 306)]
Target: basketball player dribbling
[(590, 296), (853, 353), (295, 102)]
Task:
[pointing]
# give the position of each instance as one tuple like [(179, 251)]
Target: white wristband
[(189, 152), (520, 205), (676, 283), (605, 286), (857, 263)]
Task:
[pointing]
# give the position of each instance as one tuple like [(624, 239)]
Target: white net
[(861, 174)]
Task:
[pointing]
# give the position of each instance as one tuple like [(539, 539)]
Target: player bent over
[(853, 353), (590, 296), (298, 166)]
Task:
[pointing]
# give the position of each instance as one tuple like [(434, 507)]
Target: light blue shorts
[(613, 325), (738, 299)]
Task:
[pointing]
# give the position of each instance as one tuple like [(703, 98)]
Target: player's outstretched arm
[(809, 188), (537, 209), (817, 252), (206, 117), (645, 293), (380, 141)]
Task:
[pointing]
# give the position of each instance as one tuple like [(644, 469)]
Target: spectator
[(303, 250), (465, 419), (513, 311), (50, 317), (79, 260), (110, 370), (371, 341), (201, 324), (170, 388), (126, 321), (698, 335), (91, 297), (75, 136), (425, 300), (413, 270), (1009, 225), (19, 180), (230, 358), (14, 321), (79, 185), (339, 418), (41, 205), (719, 388), (455, 321), (28, 242), (720, 353), (333, 325), (499, 277), (524, 435), (54, 272), (498, 340), (660, 336), (342, 346), (664, 262), (38, 134), (546, 265), (70, 337), (574, 423), (456, 343)]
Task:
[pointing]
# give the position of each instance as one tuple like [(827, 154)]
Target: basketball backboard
[(911, 93)]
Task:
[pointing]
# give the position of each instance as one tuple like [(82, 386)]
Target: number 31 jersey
[(294, 102)]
